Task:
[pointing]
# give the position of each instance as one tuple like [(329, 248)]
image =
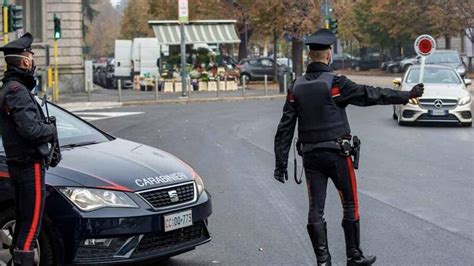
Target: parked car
[(371, 61), (341, 61), (446, 98), (284, 61), (408, 61), (449, 58), (111, 201), (252, 69)]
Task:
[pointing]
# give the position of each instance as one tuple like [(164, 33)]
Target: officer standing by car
[(317, 101), (25, 139)]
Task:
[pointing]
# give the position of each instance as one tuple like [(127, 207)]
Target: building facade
[(38, 20)]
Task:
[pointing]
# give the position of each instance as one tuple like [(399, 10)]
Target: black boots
[(23, 258), (354, 254), (318, 234)]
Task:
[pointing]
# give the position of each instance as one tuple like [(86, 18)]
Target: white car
[(446, 98)]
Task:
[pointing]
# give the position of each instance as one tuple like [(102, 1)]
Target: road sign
[(425, 45), (183, 11)]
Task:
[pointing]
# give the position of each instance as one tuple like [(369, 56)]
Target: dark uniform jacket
[(344, 92), (23, 130)]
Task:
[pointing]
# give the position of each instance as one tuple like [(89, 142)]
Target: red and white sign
[(425, 45)]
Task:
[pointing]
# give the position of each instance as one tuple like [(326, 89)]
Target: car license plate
[(178, 220), (438, 112)]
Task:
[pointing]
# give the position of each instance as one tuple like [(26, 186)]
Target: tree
[(135, 20), (103, 30), (444, 16)]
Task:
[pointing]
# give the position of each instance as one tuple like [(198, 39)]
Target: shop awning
[(199, 31)]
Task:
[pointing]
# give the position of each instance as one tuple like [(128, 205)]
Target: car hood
[(121, 165), (442, 90)]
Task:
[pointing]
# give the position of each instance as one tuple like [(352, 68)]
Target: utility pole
[(183, 19), (57, 36)]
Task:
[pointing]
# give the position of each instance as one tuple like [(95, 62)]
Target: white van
[(145, 55), (123, 59)]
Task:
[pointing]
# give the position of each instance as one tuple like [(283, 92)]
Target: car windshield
[(443, 58), (433, 75), (71, 130)]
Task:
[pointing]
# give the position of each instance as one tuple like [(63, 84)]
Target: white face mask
[(330, 57), (33, 67)]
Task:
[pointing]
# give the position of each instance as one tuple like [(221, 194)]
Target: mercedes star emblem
[(438, 103)]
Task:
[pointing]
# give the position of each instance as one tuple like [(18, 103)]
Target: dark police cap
[(18, 46), (320, 40)]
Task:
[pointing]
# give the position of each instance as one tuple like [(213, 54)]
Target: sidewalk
[(102, 98)]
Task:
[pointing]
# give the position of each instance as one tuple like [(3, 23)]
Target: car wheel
[(357, 68), (245, 77), (44, 254), (467, 124), (399, 120), (395, 69)]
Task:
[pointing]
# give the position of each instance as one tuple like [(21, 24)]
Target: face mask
[(330, 57), (33, 66)]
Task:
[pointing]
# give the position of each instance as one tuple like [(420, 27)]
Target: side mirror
[(467, 82), (397, 81)]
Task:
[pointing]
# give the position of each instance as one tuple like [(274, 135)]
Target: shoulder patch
[(290, 97), (335, 92)]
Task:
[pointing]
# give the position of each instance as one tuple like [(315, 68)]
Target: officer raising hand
[(317, 101), (25, 139)]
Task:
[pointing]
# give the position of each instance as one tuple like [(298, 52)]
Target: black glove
[(417, 91), (281, 174)]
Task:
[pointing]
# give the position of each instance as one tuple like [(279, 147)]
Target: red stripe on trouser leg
[(354, 187), (37, 208)]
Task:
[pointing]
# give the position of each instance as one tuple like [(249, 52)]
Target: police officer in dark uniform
[(25, 138), (317, 101)]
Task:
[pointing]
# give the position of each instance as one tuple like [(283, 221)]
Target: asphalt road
[(416, 185)]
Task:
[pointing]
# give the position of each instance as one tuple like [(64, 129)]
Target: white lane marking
[(93, 116)]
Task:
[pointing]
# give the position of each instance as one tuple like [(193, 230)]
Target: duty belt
[(343, 145)]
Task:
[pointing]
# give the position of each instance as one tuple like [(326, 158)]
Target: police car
[(111, 201)]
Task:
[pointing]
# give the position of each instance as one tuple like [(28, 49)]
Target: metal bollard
[(218, 87), (225, 83), (157, 80), (243, 87), (285, 85), (266, 85), (89, 90), (119, 89)]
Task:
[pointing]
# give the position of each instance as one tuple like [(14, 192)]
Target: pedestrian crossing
[(94, 116)]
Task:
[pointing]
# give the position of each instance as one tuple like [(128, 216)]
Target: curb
[(83, 106), (203, 100)]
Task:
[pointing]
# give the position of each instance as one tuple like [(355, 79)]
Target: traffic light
[(333, 25), (57, 27), (15, 18)]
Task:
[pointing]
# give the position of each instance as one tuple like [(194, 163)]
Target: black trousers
[(28, 180), (321, 165)]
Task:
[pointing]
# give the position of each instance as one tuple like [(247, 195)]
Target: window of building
[(33, 17)]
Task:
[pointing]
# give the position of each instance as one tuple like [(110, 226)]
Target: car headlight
[(461, 70), (465, 100), (199, 183), (89, 199)]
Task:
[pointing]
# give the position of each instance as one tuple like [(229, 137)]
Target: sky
[(114, 2)]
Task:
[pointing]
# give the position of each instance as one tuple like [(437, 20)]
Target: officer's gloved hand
[(281, 174), (417, 91)]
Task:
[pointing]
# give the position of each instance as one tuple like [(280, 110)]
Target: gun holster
[(355, 151)]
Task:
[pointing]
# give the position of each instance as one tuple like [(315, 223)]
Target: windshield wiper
[(79, 144)]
